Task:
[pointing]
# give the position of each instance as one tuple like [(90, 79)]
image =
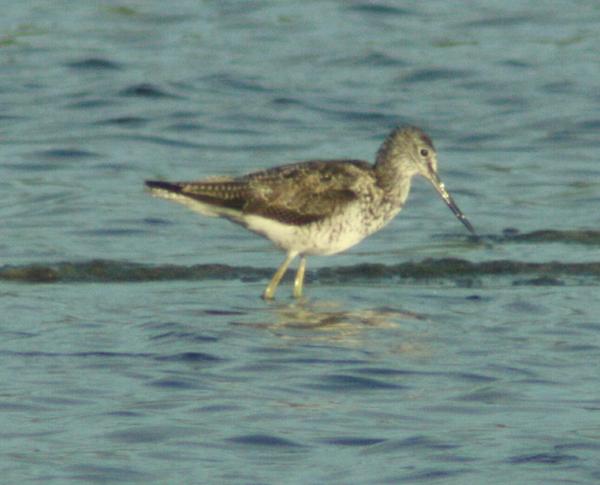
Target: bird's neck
[(393, 179)]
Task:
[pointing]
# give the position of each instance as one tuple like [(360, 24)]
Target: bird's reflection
[(331, 321), (330, 315)]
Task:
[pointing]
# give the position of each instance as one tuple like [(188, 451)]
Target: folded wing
[(298, 194)]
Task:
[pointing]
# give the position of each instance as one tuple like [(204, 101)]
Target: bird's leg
[(299, 280), (272, 286)]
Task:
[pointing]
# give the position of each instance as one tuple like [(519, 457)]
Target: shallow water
[(134, 345)]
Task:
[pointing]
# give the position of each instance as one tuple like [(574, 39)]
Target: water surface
[(135, 347)]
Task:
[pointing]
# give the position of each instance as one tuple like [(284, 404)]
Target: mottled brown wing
[(304, 192), (298, 193)]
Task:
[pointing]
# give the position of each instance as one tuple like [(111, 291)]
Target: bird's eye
[(424, 152)]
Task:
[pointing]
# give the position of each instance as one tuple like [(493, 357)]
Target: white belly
[(320, 238)]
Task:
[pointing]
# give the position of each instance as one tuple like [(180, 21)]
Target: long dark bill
[(441, 189)]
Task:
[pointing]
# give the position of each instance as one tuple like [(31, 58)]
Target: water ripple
[(435, 74), (346, 382), (94, 64), (542, 459), (191, 357), (354, 441), (263, 440), (145, 90), (379, 10)]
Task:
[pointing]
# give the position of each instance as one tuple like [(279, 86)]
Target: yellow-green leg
[(269, 292), (299, 280)]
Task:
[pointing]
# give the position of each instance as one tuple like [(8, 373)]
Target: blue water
[(109, 377)]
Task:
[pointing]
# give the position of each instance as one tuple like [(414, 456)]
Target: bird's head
[(413, 153)]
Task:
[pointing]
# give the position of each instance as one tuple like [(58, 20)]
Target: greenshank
[(317, 207)]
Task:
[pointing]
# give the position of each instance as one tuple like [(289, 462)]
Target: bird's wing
[(304, 192), (298, 193)]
